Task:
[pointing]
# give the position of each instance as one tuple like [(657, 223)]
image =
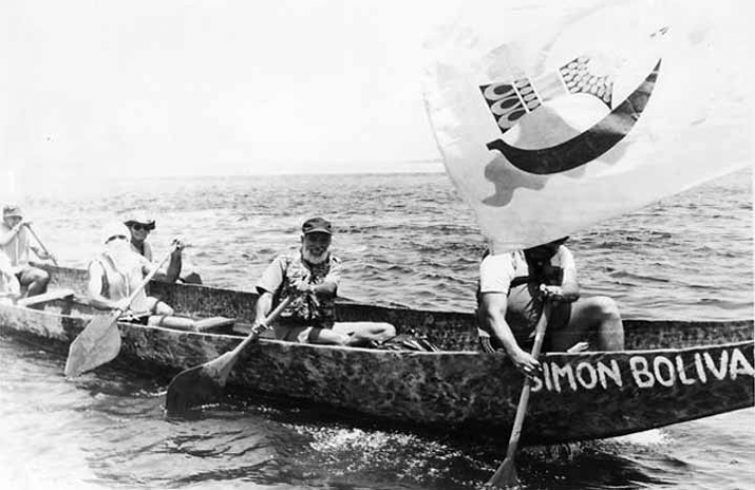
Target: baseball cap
[(317, 225)]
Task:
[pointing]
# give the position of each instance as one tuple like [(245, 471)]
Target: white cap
[(114, 229)]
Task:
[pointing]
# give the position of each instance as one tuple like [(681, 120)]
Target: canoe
[(671, 371)]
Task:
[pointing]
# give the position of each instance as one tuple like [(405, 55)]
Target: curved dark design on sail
[(587, 146)]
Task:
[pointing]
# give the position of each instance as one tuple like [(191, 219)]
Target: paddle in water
[(204, 384), (100, 341), (505, 476)]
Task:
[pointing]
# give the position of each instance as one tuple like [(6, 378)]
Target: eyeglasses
[(140, 227)]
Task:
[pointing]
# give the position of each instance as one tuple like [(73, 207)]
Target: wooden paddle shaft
[(270, 318), (36, 237), (524, 398), (149, 277)]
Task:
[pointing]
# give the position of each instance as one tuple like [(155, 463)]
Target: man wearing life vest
[(16, 243), (311, 274), (511, 295), (117, 272)]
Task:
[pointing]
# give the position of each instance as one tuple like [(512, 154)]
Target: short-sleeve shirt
[(280, 279), (508, 273)]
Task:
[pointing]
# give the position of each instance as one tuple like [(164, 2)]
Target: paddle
[(100, 341), (204, 384), (505, 476), (36, 237)]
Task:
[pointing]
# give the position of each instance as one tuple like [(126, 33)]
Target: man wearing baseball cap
[(15, 242), (311, 274)]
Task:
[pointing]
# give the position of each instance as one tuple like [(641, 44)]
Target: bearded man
[(311, 274)]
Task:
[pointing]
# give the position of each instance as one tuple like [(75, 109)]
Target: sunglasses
[(140, 227), (116, 237)]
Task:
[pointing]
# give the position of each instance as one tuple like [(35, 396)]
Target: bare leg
[(592, 317), (361, 333), (177, 322), (327, 336), (162, 308), (34, 279), (162, 315)]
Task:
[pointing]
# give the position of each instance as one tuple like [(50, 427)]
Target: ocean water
[(405, 239)]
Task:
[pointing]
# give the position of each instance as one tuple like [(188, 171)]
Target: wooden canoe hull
[(678, 371)]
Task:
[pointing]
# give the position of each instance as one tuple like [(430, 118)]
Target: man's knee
[(33, 275), (43, 277), (163, 309), (601, 308), (387, 331), (608, 308)]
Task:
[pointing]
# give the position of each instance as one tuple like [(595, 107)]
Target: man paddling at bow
[(513, 289), (311, 275), (15, 241)]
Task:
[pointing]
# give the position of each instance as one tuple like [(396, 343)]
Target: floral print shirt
[(280, 279)]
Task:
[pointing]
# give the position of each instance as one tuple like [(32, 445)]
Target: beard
[(312, 258)]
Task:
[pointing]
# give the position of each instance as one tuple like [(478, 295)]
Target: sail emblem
[(508, 102)]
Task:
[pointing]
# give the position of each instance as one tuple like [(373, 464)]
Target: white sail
[(550, 118)]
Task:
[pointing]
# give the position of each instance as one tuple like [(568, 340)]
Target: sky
[(106, 90), (143, 88)]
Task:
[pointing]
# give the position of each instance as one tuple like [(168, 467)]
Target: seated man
[(140, 226), (117, 272), (15, 242), (312, 274), (513, 288), (10, 290)]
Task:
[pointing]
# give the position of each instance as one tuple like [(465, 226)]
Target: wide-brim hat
[(139, 216)]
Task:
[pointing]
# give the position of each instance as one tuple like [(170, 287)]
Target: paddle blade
[(505, 476), (200, 385), (97, 344)]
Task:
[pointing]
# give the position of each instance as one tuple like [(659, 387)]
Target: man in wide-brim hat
[(140, 225)]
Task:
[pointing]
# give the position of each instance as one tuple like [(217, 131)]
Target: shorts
[(559, 319)]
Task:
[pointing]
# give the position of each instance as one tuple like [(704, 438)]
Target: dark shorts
[(28, 274), (559, 320)]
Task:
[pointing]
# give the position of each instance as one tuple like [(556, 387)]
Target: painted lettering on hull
[(645, 371)]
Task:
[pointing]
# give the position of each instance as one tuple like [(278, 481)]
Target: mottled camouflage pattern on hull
[(675, 371)]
